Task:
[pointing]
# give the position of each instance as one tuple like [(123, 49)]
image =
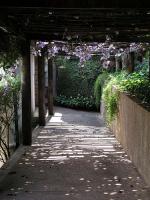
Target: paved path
[(74, 157)]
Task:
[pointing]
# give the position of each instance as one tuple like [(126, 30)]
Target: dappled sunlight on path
[(74, 157)]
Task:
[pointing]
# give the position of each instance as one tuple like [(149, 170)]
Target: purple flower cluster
[(13, 71), (6, 79), (84, 51)]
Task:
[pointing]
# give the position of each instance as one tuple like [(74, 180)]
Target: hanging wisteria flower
[(85, 51), (9, 81), (13, 71), (41, 45)]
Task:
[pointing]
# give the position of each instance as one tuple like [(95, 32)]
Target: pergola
[(91, 21)]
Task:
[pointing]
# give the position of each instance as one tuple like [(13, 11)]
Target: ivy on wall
[(136, 85), (9, 90)]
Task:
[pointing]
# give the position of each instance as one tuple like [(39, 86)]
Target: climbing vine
[(9, 90), (98, 86), (135, 85), (110, 97), (9, 94)]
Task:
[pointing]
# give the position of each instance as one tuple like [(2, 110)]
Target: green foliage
[(136, 84), (143, 66), (73, 80), (9, 94), (79, 102), (98, 87), (110, 97), (8, 87), (11, 53)]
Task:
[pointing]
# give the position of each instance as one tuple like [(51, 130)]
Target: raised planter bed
[(132, 129)]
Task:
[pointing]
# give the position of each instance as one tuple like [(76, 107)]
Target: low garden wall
[(132, 129)]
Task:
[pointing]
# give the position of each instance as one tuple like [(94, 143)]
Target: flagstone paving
[(74, 157)]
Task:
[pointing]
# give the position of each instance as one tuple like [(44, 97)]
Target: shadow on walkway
[(74, 157)]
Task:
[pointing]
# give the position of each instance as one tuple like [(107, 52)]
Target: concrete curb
[(6, 168), (11, 162)]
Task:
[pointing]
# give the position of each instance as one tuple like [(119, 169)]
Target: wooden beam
[(26, 95), (50, 87), (118, 63), (41, 90), (76, 4), (131, 62)]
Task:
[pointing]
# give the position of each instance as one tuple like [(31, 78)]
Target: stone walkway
[(74, 157)]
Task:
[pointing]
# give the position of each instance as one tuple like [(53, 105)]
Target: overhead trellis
[(85, 51), (69, 20), (90, 23)]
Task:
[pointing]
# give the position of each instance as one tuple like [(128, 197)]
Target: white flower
[(2, 72)]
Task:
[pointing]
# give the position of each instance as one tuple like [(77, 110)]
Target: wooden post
[(54, 79), (118, 64), (41, 90), (131, 62), (149, 63), (26, 96), (50, 87)]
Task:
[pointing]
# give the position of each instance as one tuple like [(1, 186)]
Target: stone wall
[(132, 129)]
